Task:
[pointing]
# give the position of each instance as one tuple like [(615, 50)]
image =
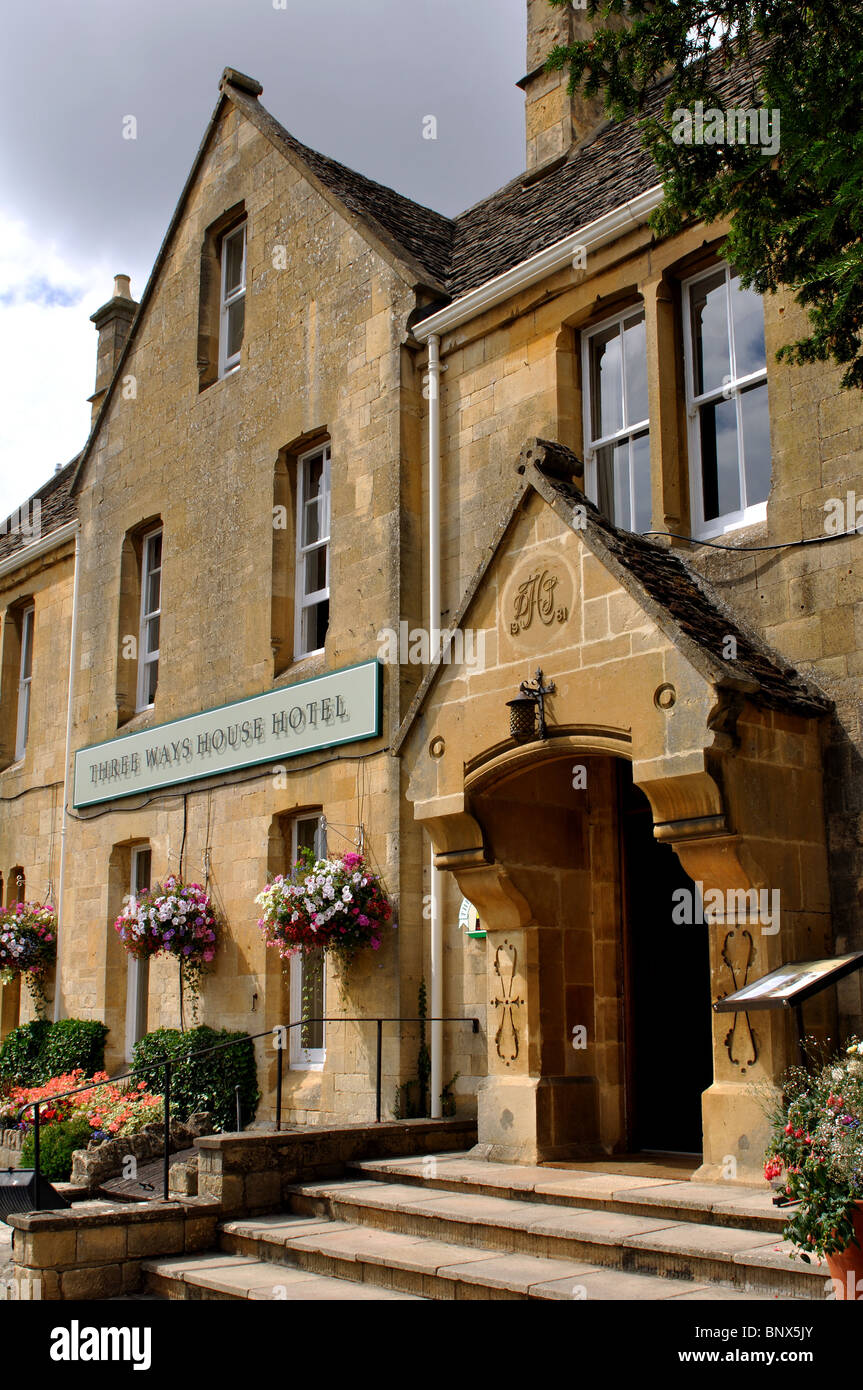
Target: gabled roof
[(416, 234), (445, 257), (681, 603), (397, 226)]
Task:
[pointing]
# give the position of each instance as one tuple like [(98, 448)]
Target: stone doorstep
[(751, 1208), (249, 1150), (694, 1250), (448, 1271), (237, 1278)]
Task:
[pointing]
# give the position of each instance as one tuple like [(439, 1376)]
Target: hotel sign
[(340, 707)]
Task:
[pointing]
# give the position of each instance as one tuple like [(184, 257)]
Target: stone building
[(338, 421)]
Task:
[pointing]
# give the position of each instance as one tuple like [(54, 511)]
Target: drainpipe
[(436, 903), (73, 643)]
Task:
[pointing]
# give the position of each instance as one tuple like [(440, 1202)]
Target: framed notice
[(791, 984)]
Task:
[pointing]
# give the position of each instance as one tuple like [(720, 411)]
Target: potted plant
[(173, 918), (28, 947), (816, 1148), (336, 906)]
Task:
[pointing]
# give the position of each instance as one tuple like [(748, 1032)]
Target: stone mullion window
[(312, 581), (14, 662), (151, 618), (726, 400), (25, 680), (137, 971), (232, 300), (616, 419), (308, 1044), (211, 297)]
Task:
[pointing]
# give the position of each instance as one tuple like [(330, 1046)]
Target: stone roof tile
[(57, 507)]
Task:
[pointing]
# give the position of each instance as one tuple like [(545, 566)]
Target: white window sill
[(306, 1066), (725, 526)]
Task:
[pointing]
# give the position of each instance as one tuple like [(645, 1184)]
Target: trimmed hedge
[(204, 1083), (34, 1052), (19, 1053), (57, 1143), (71, 1043)]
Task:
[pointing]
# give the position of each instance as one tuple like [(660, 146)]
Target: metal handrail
[(168, 1066)]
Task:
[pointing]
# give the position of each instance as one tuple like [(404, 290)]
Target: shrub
[(57, 1143), (204, 1083), (19, 1053), (72, 1043), (35, 1052)]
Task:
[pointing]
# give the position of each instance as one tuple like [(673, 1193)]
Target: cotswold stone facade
[(703, 728)]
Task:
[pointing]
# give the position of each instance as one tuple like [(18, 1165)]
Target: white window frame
[(627, 432), (748, 515), (147, 658), (304, 601), (227, 364), (137, 971), (25, 681), (305, 1058)]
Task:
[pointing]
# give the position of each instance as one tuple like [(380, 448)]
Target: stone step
[(730, 1256), (435, 1269), (745, 1208), (220, 1277)]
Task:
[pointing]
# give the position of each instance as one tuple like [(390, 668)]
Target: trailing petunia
[(28, 946), (334, 905), (173, 918)]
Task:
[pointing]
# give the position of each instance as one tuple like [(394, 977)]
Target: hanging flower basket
[(28, 947), (176, 919), (333, 905)]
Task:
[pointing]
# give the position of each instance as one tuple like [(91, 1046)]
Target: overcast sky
[(79, 203)]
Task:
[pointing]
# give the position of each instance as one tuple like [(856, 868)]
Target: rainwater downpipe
[(73, 644), (587, 239), (436, 896)]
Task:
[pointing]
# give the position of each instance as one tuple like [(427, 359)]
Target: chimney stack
[(112, 323), (555, 121)]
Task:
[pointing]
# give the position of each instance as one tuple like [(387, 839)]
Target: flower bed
[(28, 946), (110, 1111), (817, 1147), (335, 905)]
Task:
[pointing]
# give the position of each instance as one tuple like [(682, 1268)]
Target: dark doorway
[(668, 1036)]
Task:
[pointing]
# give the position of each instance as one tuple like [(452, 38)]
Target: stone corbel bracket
[(460, 847)]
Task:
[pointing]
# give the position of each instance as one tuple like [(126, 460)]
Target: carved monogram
[(536, 596)]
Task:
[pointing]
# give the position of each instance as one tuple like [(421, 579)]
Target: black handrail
[(167, 1065)]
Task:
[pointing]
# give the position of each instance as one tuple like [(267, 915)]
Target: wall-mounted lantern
[(523, 710)]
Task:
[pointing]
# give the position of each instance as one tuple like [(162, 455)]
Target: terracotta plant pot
[(846, 1266)]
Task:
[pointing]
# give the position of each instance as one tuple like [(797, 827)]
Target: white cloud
[(47, 357)]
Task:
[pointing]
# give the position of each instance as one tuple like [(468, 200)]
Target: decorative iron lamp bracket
[(523, 709)]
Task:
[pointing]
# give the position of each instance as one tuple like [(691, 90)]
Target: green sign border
[(229, 704)]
